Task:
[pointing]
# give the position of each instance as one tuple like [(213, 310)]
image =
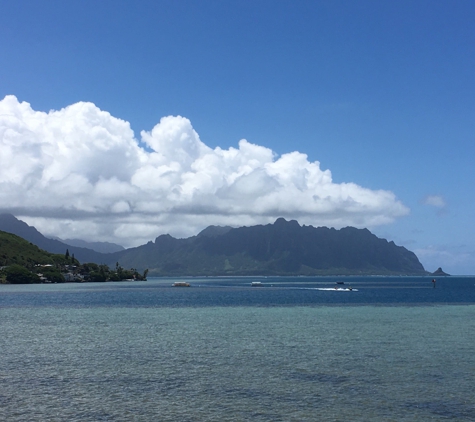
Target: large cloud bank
[(79, 172)]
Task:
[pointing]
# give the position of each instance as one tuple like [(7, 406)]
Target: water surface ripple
[(146, 352)]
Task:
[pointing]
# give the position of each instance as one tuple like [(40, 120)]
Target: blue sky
[(380, 94)]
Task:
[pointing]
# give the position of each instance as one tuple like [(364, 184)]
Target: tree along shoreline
[(24, 267), (67, 273)]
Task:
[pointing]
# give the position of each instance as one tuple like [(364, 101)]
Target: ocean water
[(295, 349)]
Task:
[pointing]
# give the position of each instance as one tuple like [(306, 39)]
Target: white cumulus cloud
[(79, 172)]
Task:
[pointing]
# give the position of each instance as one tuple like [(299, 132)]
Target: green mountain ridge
[(16, 250), (282, 248), (10, 224), (24, 262)]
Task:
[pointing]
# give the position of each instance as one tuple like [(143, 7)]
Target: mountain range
[(10, 224), (102, 247), (282, 248)]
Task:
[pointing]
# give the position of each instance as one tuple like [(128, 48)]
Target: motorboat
[(181, 284)]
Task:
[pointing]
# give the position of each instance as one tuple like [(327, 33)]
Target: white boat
[(181, 284), (256, 284)]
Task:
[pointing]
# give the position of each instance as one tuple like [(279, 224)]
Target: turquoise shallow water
[(91, 360)]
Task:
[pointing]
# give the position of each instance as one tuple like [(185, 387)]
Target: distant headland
[(440, 273)]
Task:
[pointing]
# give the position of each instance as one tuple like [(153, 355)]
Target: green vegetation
[(22, 262), (16, 274), (15, 250), (53, 274), (99, 273)]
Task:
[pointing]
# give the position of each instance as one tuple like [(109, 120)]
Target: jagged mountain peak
[(213, 231)]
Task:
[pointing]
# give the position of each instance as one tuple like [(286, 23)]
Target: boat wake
[(337, 289)]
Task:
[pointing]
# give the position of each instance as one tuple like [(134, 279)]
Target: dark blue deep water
[(237, 291), (293, 349)]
